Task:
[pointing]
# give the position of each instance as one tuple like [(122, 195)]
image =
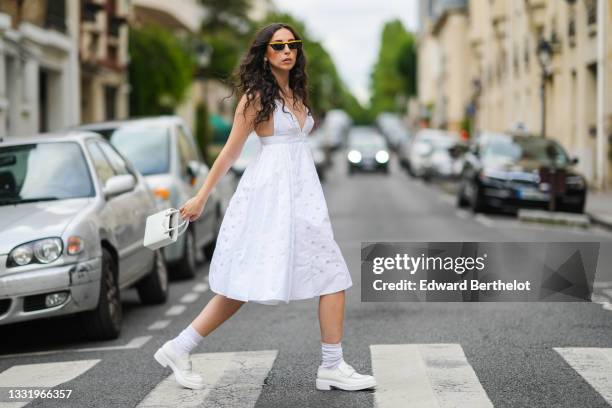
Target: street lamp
[(544, 52)]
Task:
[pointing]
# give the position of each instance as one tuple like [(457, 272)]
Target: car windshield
[(27, 174), (544, 151), (147, 147), (367, 140)]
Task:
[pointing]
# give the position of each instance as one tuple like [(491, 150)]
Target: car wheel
[(462, 202), (186, 266), (104, 322), (153, 288), (477, 202)]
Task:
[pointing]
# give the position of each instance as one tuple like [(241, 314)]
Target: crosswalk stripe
[(425, 376), (201, 287), (135, 343), (176, 310), (593, 364), (233, 379), (190, 297), (41, 375), (158, 325)]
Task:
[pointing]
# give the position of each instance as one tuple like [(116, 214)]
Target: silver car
[(164, 152), (72, 217)]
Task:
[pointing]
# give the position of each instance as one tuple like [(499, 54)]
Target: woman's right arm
[(241, 128)]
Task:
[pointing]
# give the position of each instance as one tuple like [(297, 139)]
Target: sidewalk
[(599, 207)]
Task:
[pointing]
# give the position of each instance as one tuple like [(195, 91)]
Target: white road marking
[(201, 287), (446, 198), (176, 310), (159, 325), (190, 297), (607, 292), (593, 364), (47, 375), (602, 285), (484, 220), (462, 214), (135, 343), (233, 379), (425, 376)]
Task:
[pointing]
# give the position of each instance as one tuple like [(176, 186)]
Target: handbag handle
[(178, 227)]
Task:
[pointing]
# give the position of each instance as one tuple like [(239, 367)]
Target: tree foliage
[(160, 70), (393, 78)]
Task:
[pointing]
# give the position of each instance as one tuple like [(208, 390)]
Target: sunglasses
[(279, 46)]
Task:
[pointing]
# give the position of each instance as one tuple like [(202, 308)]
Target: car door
[(205, 225), (137, 205)]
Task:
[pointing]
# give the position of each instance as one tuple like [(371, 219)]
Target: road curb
[(601, 221), (557, 218)]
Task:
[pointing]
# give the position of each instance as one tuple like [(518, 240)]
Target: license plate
[(532, 194)]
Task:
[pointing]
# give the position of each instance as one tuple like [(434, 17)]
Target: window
[(117, 163), (102, 166), (186, 151)]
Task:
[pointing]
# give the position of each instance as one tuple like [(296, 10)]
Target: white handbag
[(163, 228)]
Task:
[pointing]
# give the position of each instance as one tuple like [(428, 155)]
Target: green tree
[(160, 71), (394, 75), (220, 14)]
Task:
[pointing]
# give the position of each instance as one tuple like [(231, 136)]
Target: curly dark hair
[(255, 76)]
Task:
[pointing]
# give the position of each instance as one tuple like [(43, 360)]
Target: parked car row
[(498, 171), (433, 153), (73, 206)]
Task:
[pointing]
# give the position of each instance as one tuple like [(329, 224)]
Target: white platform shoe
[(343, 377), (180, 365)]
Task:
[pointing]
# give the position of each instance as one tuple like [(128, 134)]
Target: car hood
[(27, 222)]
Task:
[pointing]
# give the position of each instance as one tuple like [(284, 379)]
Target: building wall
[(103, 48), (443, 64), (38, 62), (503, 36)]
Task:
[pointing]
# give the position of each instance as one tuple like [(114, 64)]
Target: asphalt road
[(499, 354)]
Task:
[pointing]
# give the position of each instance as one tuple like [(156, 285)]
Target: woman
[(275, 242)]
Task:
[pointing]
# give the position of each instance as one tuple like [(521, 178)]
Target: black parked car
[(504, 172)]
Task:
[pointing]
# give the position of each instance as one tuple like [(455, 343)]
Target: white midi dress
[(276, 242)]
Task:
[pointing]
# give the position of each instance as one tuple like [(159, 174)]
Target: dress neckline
[(302, 127)]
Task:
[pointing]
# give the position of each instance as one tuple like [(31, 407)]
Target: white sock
[(185, 342), (332, 355)]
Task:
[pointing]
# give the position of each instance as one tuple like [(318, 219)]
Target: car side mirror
[(117, 185), (193, 168), (574, 160)]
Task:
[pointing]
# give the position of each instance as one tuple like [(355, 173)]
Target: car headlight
[(42, 251), (354, 156), (382, 156)]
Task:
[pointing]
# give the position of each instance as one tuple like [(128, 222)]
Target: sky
[(350, 31)]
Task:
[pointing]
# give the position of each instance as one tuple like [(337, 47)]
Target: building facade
[(38, 65), (535, 65), (104, 59), (443, 70)]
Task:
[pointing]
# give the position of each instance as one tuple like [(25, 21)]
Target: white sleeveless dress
[(276, 241)]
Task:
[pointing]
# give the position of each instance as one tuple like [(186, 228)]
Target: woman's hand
[(192, 209)]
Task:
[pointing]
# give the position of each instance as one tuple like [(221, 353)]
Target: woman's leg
[(218, 310), (331, 317)]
